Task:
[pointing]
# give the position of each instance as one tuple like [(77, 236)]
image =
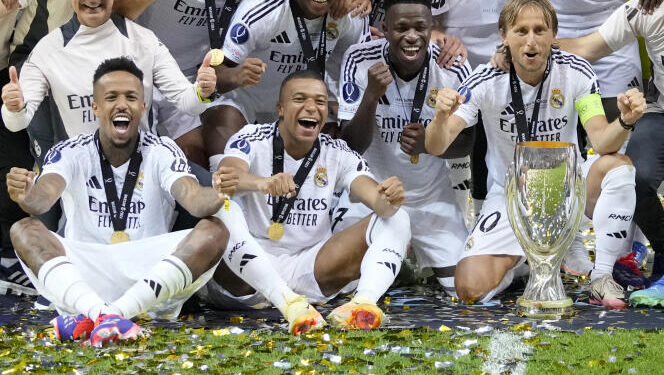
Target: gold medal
[(414, 159), (275, 231), (119, 236), (217, 57)]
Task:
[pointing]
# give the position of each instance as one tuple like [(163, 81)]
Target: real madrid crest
[(557, 99), (431, 99), (332, 31), (469, 244), (320, 178), (139, 181)]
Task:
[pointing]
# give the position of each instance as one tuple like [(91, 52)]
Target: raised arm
[(591, 47), (445, 126), (384, 199), (200, 201), (34, 199)]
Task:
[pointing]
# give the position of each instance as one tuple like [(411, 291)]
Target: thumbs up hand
[(12, 95), (206, 78)]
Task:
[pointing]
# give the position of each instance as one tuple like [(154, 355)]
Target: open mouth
[(320, 1), (531, 55), (308, 122), (410, 52), (91, 6), (121, 123)]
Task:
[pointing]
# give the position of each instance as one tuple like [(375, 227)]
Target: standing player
[(116, 185), (388, 88), (286, 174), (268, 40), (536, 101), (645, 147)]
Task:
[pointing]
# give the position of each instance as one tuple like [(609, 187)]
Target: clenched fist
[(19, 183), (278, 185), (392, 191), (250, 72), (225, 181), (380, 78), (447, 101), (632, 105)]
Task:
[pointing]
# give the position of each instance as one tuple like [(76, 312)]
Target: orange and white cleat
[(301, 316), (359, 313)]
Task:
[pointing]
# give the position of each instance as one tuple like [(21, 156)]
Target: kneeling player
[(286, 173), (117, 185)]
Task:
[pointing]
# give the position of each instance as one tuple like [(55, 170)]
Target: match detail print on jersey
[(218, 29)]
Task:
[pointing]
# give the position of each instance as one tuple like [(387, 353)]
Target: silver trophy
[(545, 194)]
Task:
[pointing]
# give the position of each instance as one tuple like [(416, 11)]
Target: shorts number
[(339, 218), (487, 223)]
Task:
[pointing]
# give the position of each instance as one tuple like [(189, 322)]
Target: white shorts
[(169, 121), (112, 269), (244, 103), (297, 270), (438, 229), (492, 233)]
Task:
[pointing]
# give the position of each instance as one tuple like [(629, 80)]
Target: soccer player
[(286, 174), (118, 187), (388, 92), (92, 36), (540, 99), (645, 147), (268, 40)]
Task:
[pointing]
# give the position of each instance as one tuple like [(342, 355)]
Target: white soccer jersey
[(623, 26), (182, 26), (62, 65), (308, 222), (584, 14), (378, 12), (422, 181), (265, 29), (151, 211), (570, 79)]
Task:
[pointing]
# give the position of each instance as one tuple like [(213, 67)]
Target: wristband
[(624, 124)]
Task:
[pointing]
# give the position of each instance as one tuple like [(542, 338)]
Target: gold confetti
[(406, 307), (187, 364), (247, 353), (387, 300), (221, 332), (236, 319), (304, 362), (120, 357), (444, 328), (521, 327)]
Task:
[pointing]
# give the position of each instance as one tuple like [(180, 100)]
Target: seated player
[(388, 91), (285, 174), (540, 99), (118, 184)]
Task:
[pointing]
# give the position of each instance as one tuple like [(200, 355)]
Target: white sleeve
[(249, 29), (351, 166), (587, 82), (622, 27), (238, 146), (352, 85), (62, 160), (356, 31), (171, 82), (172, 164), (439, 7), (469, 110), (35, 88)]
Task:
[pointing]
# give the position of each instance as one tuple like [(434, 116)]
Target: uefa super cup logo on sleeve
[(545, 196)]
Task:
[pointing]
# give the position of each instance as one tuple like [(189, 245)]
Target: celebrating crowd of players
[(338, 134)]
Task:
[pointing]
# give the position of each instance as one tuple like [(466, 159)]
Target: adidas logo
[(391, 266), (621, 234), (634, 83), (383, 100), (245, 259), (465, 185), (155, 286), (282, 38), (93, 183), (509, 110)]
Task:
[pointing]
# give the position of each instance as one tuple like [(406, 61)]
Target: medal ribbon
[(315, 59), (420, 89), (525, 132), (282, 206), (217, 30), (376, 6), (119, 208)]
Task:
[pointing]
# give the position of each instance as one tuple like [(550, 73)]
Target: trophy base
[(552, 310)]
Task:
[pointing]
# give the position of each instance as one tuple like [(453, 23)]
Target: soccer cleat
[(359, 313), (14, 281), (70, 327), (42, 304), (301, 316), (606, 292), (652, 296), (576, 261), (111, 328), (626, 272)]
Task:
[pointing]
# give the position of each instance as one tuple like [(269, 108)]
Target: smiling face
[(118, 104), (92, 13), (312, 9), (529, 38), (408, 30), (302, 110)]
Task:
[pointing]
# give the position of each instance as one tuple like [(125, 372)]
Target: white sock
[(459, 175), (214, 162), (612, 218), (387, 240), (247, 259), (165, 279), (68, 289)]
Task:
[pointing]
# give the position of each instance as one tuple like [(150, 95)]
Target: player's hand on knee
[(648, 6), (207, 77), (632, 105), (281, 184), (392, 191), (19, 183), (225, 181), (380, 78), (447, 101), (412, 139), (451, 48), (12, 95), (250, 71)]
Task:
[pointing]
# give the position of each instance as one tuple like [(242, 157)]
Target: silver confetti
[(446, 364), (461, 352), (235, 330), (631, 371), (283, 364), (484, 330), (326, 337), (369, 352), (469, 343), (612, 359)]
